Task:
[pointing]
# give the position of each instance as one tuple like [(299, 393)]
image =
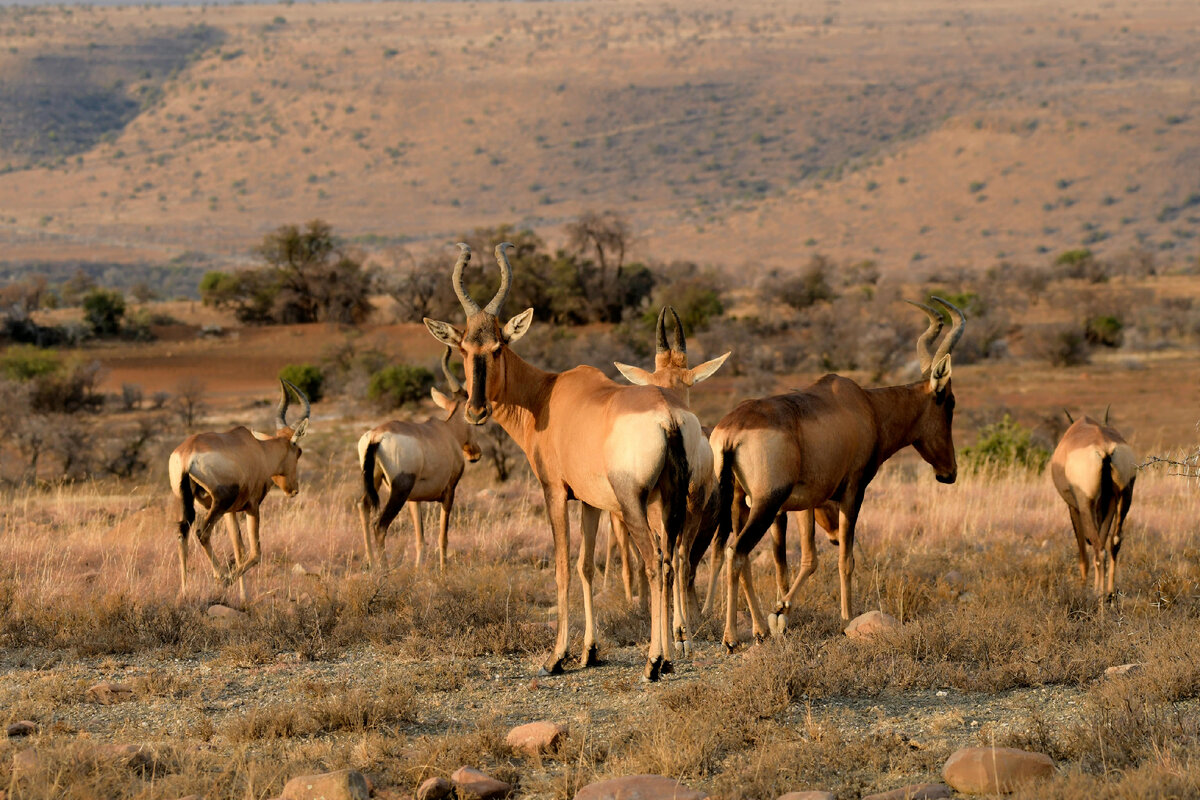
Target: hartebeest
[(803, 450), (671, 371), (231, 472), (632, 450), (1094, 469), (419, 462)]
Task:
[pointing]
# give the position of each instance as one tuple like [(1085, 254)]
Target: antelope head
[(451, 403), (484, 342), (287, 477), (934, 436), (671, 361)]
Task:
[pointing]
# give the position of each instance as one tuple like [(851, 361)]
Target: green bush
[(104, 310), (1005, 445), (24, 362), (1105, 329), (398, 384), (308, 378)]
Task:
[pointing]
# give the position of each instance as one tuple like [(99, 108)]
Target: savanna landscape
[(199, 200)]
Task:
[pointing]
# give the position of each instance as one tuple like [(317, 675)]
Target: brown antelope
[(671, 371), (231, 472), (631, 450), (420, 462), (804, 450), (1093, 469)]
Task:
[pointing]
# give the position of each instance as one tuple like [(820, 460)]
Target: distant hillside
[(926, 133)]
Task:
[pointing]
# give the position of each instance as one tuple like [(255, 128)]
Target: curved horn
[(303, 399), (464, 255), (493, 307), (956, 330), (1070, 419), (925, 342), (660, 333), (284, 401), (451, 381), (1107, 409), (678, 343)]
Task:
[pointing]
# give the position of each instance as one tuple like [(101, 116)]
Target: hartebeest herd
[(637, 453)]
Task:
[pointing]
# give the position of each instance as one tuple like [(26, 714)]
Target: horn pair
[(285, 400), (468, 304), (678, 344), (925, 350)]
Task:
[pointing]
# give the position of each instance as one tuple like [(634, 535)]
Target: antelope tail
[(1107, 489), (368, 475), (187, 501), (675, 478), (725, 498)]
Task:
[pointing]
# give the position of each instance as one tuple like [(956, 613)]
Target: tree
[(601, 239), (189, 401), (104, 310)]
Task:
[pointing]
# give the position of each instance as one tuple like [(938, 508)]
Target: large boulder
[(639, 787), (23, 727), (991, 770), (535, 737), (870, 623), (918, 791), (345, 784), (475, 785)]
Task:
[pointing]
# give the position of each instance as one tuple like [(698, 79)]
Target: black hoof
[(730, 648), (668, 668), (759, 638), (552, 668), (652, 670), (591, 657)]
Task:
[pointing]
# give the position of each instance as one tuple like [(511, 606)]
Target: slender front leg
[(808, 565), (255, 549), (556, 509), (204, 534), (779, 548), (364, 513), (235, 538), (184, 529), (444, 529), (1080, 542), (667, 581), (414, 509), (1114, 541), (589, 522)]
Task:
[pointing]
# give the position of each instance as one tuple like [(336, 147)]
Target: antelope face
[(484, 343), (288, 477), (935, 431)]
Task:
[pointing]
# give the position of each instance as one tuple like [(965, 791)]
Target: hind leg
[(808, 565), (401, 487), (779, 549), (1080, 542), (589, 521), (418, 521), (762, 514), (235, 539), (1114, 541), (444, 527), (846, 519)]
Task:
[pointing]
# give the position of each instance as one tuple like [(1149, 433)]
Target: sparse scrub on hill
[(1060, 344), (799, 291), (308, 378), (395, 385), (104, 311), (1004, 445)]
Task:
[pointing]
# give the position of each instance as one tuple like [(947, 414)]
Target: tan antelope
[(419, 462), (631, 450), (803, 450), (1094, 469), (671, 371), (231, 472)]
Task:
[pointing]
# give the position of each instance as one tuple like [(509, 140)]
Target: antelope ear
[(300, 431), (444, 332), (939, 377), (518, 326), (444, 402), (706, 369), (635, 375)]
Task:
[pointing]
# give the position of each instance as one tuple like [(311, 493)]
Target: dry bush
[(327, 708)]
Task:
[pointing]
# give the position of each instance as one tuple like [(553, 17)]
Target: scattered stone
[(809, 795), (345, 784), (989, 770), (23, 727), (918, 791), (639, 787), (133, 756), (534, 738), (870, 623), (472, 783), (1122, 669), (224, 614), (435, 789), (107, 694)]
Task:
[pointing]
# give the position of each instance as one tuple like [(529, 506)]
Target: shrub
[(398, 384), (1005, 445), (806, 289), (1061, 345), (22, 362), (1104, 329), (104, 310), (308, 378)]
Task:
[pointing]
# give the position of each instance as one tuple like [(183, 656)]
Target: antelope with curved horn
[(1093, 469), (805, 450), (419, 462), (635, 451), (231, 472), (671, 371)]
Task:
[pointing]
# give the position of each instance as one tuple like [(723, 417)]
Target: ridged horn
[(451, 381), (956, 329), (284, 401), (925, 342), (1070, 419), (303, 399), (678, 343), (1107, 409), (660, 333), (464, 255), (494, 306)]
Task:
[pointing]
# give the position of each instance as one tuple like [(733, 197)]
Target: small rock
[(23, 727), (1122, 669), (345, 784), (535, 737), (954, 579), (435, 789), (639, 787), (809, 795), (225, 615), (988, 770), (107, 694), (918, 791), (870, 623), (472, 783)]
